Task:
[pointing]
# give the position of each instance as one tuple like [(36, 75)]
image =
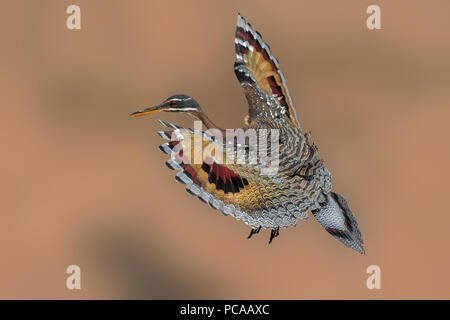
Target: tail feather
[(352, 225), (335, 216)]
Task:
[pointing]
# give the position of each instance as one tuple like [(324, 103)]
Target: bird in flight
[(300, 184)]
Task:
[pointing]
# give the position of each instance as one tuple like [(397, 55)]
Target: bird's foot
[(274, 233), (254, 231)]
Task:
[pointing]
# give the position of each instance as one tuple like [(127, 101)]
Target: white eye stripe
[(181, 109), (178, 99)]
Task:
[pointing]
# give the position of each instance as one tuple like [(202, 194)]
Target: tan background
[(82, 183)]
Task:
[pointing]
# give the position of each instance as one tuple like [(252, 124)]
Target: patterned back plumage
[(302, 182)]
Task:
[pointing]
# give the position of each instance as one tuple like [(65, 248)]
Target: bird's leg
[(254, 231), (274, 233)]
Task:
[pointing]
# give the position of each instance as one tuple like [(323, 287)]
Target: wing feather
[(258, 72), (254, 198)]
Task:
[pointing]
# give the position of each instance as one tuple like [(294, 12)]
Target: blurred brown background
[(82, 183)]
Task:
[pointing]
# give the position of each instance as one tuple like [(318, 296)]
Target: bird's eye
[(172, 103)]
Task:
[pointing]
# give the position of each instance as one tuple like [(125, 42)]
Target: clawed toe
[(274, 233), (254, 231)]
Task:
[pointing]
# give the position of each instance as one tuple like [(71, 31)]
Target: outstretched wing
[(258, 72), (235, 189)]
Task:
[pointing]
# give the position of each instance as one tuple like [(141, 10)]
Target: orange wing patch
[(234, 189)]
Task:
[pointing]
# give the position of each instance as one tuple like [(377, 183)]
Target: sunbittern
[(302, 182)]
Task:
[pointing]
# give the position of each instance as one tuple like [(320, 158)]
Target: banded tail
[(335, 216)]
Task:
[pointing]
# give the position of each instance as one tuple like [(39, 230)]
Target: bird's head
[(175, 103)]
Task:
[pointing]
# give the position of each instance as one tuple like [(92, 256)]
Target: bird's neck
[(207, 122)]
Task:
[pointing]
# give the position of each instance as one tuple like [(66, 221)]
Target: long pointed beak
[(146, 111)]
